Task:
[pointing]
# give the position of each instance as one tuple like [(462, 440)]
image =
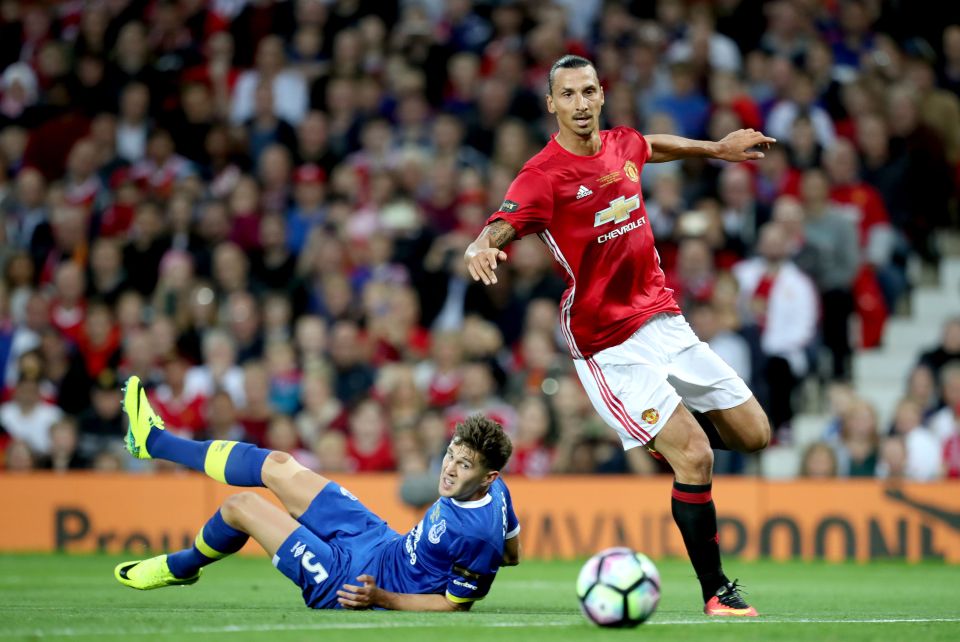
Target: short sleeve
[(475, 566), (643, 151), (513, 524), (528, 205)]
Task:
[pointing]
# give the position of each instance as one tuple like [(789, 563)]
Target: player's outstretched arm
[(370, 595), (482, 255), (735, 147)]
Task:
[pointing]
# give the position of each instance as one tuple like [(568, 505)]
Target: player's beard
[(586, 129)]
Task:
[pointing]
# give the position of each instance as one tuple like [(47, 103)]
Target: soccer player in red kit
[(634, 353)]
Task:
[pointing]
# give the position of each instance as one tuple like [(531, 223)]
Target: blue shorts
[(334, 544)]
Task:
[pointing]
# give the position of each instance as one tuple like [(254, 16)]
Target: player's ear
[(550, 108), (602, 97), (490, 477)]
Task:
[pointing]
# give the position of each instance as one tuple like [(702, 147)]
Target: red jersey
[(589, 211), (377, 460), (869, 204)]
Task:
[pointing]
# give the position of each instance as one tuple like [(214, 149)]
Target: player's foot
[(141, 418), (728, 602), (150, 574)]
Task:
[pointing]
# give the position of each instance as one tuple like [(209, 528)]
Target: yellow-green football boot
[(150, 574), (140, 418)]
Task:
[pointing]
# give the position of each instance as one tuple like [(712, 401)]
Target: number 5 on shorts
[(320, 573)]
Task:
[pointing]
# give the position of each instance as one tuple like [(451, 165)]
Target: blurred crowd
[(922, 442), (260, 207)]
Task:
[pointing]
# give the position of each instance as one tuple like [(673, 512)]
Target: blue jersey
[(456, 548)]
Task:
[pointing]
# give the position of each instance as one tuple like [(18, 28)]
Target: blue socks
[(163, 445), (216, 540), (242, 463), (231, 462)]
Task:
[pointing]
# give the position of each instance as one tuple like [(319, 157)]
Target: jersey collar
[(564, 150), (477, 503)]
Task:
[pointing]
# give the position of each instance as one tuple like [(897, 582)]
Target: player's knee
[(237, 507), (746, 427), (694, 462), (278, 467), (701, 458), (758, 437), (763, 438)]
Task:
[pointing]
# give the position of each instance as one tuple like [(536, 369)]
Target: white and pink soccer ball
[(618, 587)]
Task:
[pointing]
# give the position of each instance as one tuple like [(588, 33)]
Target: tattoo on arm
[(499, 233)]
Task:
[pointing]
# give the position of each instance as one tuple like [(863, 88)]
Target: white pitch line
[(333, 626), (748, 621), (274, 628)]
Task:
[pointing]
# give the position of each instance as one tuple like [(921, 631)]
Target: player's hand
[(739, 145), (360, 597), (482, 262)]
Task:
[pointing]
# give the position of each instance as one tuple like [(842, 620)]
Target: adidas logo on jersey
[(583, 192)]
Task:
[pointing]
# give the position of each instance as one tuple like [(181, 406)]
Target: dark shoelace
[(731, 596)]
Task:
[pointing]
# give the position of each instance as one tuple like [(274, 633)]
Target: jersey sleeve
[(528, 205), (644, 150), (513, 524), (475, 565)]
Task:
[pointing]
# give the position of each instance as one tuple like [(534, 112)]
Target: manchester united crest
[(650, 415), (630, 169)]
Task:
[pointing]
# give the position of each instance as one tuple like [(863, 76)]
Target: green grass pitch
[(76, 598)]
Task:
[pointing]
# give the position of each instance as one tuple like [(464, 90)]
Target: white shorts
[(636, 386)]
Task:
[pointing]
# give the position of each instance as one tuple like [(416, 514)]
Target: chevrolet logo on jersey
[(618, 212), (620, 231)]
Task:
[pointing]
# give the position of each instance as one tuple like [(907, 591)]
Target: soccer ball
[(618, 587)]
